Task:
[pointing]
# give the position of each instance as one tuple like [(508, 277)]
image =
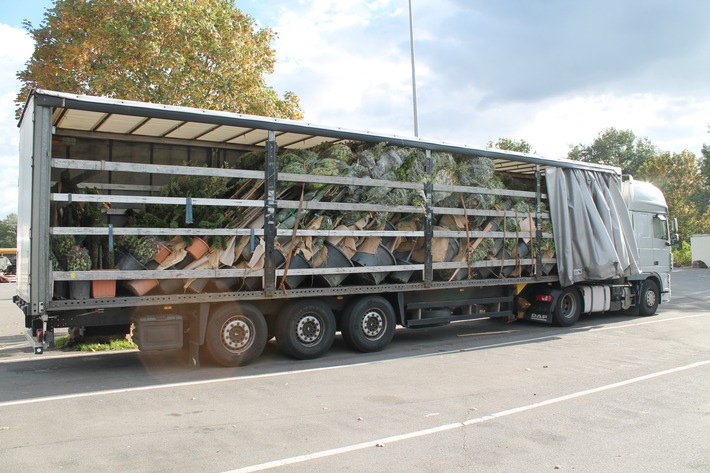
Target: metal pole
[(414, 74)]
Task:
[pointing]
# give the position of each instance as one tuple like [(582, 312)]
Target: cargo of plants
[(360, 223)]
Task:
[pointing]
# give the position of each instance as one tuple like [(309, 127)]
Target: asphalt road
[(613, 394)]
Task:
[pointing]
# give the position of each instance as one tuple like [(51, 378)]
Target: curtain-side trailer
[(304, 242)]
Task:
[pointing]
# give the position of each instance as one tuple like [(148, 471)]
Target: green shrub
[(78, 259), (683, 254)]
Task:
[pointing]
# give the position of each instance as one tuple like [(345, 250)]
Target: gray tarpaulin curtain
[(591, 225)]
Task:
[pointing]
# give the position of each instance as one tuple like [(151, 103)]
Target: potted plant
[(61, 244), (150, 251), (60, 289), (141, 253), (78, 259)]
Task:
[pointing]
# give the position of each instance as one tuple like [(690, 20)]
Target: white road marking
[(457, 425), (311, 370), (16, 345)]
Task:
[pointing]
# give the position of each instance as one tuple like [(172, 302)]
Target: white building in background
[(700, 248)]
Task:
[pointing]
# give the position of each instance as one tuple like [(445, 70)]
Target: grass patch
[(66, 344)]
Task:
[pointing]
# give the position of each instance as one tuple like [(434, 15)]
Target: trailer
[(700, 249), (298, 250)]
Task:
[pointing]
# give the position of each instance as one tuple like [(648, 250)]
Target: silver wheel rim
[(309, 330), (372, 324), (568, 306), (650, 298), (237, 334)]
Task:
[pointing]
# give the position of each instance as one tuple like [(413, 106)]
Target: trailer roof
[(121, 119)]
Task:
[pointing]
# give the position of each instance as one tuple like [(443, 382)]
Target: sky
[(555, 73)]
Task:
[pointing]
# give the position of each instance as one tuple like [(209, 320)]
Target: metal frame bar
[(40, 279), (287, 294), (105, 105), (270, 207), (428, 220)]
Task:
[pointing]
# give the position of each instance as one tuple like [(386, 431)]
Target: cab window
[(660, 227)]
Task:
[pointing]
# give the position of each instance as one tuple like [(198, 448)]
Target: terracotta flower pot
[(163, 253), (198, 248), (140, 287), (103, 288)]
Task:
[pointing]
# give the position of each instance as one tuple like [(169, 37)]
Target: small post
[(270, 215), (538, 224), (428, 221)]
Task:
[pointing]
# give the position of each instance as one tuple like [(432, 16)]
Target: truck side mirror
[(674, 240)]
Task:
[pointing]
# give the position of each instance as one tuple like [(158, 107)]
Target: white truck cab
[(649, 216)]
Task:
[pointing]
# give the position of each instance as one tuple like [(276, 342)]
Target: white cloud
[(323, 49), (555, 75), (561, 123), (15, 49)]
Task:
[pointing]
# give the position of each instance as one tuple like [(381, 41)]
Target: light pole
[(414, 74)]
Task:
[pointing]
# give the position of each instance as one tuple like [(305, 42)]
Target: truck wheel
[(305, 329), (368, 324), (236, 334), (568, 308), (649, 297)]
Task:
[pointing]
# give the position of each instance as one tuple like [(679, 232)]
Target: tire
[(568, 309), (649, 298), (236, 334), (305, 329), (368, 324)]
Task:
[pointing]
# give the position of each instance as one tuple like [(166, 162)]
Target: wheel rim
[(309, 330), (568, 306), (237, 334), (650, 298), (373, 324)]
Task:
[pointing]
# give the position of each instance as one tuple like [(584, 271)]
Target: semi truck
[(312, 230)]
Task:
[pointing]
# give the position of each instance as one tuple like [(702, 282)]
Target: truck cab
[(649, 217)]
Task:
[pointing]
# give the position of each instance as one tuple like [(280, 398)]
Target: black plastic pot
[(80, 290)]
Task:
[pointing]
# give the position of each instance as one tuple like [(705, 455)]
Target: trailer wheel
[(649, 297), (368, 324), (305, 329), (236, 334), (568, 308)]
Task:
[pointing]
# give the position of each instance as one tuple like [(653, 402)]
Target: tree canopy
[(509, 144), (205, 54), (618, 148), (676, 174), (8, 231)]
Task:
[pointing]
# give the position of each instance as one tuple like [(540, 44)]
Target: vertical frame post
[(428, 220), (40, 278), (270, 215), (538, 223)]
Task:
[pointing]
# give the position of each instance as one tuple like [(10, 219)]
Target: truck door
[(652, 240), (661, 244), (643, 229)]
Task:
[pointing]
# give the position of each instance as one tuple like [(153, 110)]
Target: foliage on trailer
[(371, 163)]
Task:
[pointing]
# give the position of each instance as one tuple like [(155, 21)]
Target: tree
[(8, 232), (510, 144), (678, 176), (618, 148), (705, 164), (205, 54), (702, 198)]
